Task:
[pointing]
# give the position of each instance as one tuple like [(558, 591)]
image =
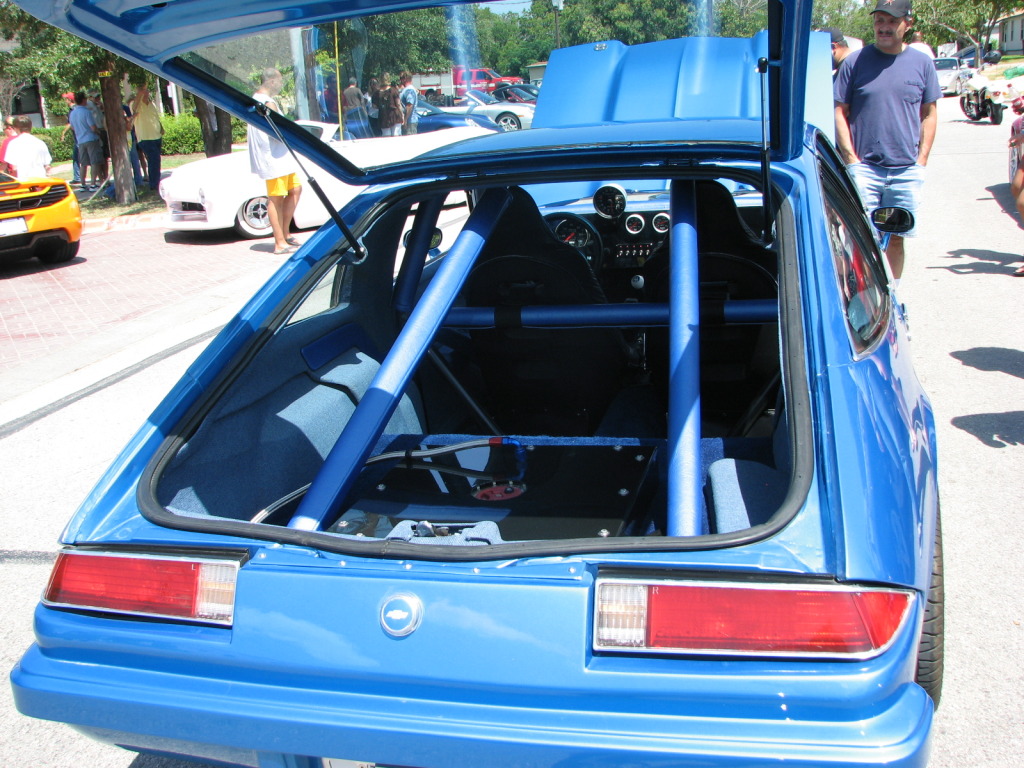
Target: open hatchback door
[(592, 444)]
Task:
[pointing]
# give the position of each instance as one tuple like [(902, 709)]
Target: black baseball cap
[(897, 8), (837, 36)]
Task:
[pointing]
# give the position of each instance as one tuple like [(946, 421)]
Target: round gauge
[(610, 201), (573, 232), (661, 223), (635, 223)]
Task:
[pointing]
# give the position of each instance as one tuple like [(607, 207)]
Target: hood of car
[(695, 84)]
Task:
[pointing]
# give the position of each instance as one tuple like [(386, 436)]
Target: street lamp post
[(558, 5)]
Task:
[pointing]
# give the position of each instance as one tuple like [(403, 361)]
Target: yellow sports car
[(38, 217)]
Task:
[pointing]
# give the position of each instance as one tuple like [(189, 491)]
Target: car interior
[(532, 390)]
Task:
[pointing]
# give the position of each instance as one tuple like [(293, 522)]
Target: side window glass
[(861, 280), (332, 290)]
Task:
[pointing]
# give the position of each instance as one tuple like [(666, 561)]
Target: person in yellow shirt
[(149, 132)]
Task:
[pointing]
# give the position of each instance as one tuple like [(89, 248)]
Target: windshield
[(340, 71), (941, 64), (483, 98)]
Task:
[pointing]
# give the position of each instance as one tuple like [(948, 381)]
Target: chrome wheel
[(253, 219), (508, 122)]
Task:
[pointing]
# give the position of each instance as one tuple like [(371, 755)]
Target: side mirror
[(895, 221)]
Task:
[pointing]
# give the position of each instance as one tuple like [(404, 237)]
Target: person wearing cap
[(885, 96), (840, 49)]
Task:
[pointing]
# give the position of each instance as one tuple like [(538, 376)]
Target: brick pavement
[(117, 277), (130, 296)]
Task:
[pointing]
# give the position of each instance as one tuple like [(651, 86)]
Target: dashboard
[(617, 232)]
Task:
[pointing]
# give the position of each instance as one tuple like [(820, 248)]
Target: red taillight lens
[(145, 585), (760, 619)]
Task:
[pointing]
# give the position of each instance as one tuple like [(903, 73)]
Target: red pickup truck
[(459, 80)]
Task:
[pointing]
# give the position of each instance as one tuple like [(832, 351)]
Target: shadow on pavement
[(1001, 194), (201, 237), (996, 430), (1009, 361), (34, 267), (984, 262)]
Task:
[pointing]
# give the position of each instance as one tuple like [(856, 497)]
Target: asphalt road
[(968, 345)]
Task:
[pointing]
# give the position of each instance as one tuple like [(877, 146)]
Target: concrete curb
[(128, 221)]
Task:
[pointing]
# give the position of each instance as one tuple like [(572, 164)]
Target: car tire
[(930, 650), (508, 122), (58, 254), (253, 220), (995, 113)]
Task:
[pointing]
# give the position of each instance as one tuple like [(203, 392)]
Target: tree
[(69, 61), (215, 123), (971, 20)]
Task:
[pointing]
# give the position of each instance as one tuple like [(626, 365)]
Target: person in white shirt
[(28, 156), (917, 41), (270, 159)]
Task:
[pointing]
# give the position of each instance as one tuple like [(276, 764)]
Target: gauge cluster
[(617, 232), (623, 231)]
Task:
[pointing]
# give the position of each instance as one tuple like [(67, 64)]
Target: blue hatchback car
[(593, 445)]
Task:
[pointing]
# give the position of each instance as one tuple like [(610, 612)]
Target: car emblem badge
[(401, 614)]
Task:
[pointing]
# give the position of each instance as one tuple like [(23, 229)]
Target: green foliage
[(182, 135), (60, 148)]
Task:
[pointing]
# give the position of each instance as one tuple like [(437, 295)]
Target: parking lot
[(87, 349)]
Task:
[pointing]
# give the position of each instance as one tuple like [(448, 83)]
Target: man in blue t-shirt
[(409, 98), (885, 97), (87, 137)]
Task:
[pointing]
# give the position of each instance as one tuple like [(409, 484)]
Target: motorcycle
[(981, 98)]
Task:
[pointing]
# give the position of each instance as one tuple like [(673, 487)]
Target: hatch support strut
[(357, 249), (766, 160)]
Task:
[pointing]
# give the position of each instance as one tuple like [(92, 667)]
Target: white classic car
[(222, 193), (508, 116)]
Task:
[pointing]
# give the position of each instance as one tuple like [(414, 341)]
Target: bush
[(182, 135), (60, 150)]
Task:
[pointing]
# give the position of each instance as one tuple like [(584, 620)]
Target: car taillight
[(749, 619), (194, 589)]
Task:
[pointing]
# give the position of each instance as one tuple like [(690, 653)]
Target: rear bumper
[(20, 247), (268, 723)]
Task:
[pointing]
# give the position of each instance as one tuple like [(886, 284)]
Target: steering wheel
[(579, 233)]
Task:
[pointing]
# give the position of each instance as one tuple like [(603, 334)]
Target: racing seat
[(721, 228), (739, 363), (550, 381)]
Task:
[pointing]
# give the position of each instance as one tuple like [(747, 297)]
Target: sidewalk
[(113, 223), (134, 292)]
